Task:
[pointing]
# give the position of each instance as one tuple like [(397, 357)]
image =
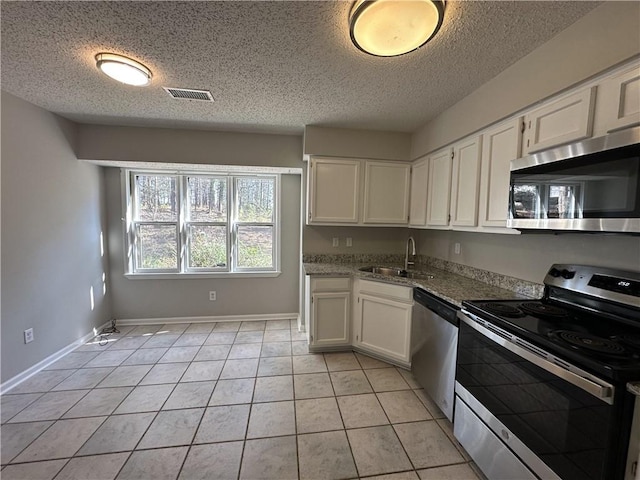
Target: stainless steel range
[(541, 385)]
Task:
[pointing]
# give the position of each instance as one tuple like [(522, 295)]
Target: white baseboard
[(214, 319), (21, 377)]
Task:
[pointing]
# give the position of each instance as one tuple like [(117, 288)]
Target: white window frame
[(188, 222), (237, 223), (183, 223)]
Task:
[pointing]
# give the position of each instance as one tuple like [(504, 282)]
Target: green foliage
[(206, 254), (255, 256)]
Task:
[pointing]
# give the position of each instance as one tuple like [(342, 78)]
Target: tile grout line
[(254, 377)]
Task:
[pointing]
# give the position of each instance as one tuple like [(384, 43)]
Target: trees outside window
[(191, 223)]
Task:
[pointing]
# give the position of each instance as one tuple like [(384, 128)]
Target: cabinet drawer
[(398, 292), (330, 284)]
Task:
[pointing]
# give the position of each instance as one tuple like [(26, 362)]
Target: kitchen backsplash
[(373, 258), (423, 262)]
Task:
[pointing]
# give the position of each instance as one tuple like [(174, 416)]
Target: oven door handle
[(598, 389)]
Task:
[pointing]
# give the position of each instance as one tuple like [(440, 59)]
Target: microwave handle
[(602, 391)]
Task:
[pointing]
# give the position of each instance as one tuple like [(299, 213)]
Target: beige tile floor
[(228, 400)]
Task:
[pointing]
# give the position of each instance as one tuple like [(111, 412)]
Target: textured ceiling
[(272, 66)]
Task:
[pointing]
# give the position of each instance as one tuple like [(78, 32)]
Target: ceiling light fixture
[(123, 69), (387, 28)]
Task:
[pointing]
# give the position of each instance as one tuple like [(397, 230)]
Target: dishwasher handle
[(438, 306)]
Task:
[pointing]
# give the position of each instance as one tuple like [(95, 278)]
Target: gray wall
[(160, 298), (52, 217), (319, 239), (145, 298), (604, 37), (100, 142), (529, 256), (343, 142)]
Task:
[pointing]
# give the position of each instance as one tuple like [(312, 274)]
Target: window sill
[(194, 275)]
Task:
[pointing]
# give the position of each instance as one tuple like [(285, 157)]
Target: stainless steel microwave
[(590, 186)]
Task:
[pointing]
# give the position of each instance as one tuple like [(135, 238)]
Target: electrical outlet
[(28, 335), (212, 295), (349, 242), (456, 248), (336, 241)]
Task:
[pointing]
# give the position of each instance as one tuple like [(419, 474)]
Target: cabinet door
[(418, 203), (330, 318), (465, 183), (439, 190), (384, 327), (386, 192), (621, 107), (561, 121), (500, 145), (333, 190)]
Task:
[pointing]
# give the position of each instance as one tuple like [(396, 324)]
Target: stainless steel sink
[(397, 272)]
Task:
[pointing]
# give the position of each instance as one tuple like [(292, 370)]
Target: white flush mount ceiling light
[(123, 69), (387, 28)]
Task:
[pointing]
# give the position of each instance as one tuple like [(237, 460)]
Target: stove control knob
[(554, 272), (568, 274)]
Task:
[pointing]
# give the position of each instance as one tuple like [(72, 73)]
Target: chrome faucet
[(410, 242)]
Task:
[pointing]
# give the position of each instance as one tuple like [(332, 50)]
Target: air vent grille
[(189, 94)]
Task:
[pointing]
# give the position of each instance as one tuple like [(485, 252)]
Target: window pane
[(562, 201), (526, 201), (157, 198), (255, 199), (157, 246), (208, 246), (208, 199), (255, 247)]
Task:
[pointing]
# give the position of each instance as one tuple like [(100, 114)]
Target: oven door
[(561, 422)]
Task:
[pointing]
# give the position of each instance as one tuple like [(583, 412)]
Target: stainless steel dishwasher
[(434, 339)]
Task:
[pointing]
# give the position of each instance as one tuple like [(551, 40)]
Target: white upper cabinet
[(565, 120), (500, 144), (465, 182), (439, 189), (418, 198), (333, 190), (386, 192), (347, 191), (619, 101)]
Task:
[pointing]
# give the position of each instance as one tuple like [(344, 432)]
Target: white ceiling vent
[(189, 94)]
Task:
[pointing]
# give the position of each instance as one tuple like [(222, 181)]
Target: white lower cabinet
[(328, 311), (382, 320), (331, 318)]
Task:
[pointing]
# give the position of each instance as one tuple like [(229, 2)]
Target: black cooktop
[(591, 341)]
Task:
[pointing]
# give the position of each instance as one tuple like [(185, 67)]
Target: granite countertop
[(446, 285)]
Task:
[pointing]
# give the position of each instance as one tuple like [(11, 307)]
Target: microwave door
[(594, 193)]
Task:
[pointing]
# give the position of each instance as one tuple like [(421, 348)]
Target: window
[(195, 223)]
